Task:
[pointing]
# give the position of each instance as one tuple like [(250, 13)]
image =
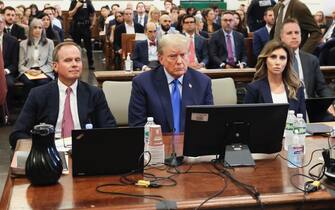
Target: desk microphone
[(174, 160)]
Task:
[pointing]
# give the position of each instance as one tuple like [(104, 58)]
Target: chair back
[(127, 44), (118, 96), (224, 91)]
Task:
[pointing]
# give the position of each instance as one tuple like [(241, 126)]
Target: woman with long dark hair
[(49, 31), (275, 80), (209, 25)]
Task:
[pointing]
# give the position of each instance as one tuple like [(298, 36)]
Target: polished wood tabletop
[(270, 177), (239, 75)]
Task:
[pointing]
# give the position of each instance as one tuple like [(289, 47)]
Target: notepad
[(40, 76)]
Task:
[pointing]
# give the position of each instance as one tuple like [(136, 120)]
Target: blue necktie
[(176, 100)]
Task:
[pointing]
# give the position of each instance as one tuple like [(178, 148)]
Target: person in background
[(168, 5), (209, 22), (58, 13), (115, 23), (255, 13), (243, 19), (165, 27), (141, 17), (154, 15), (320, 20), (145, 52), (165, 92), (191, 11), (226, 46), (27, 13), (105, 12), (51, 12), (81, 26), (262, 35), (3, 86), (217, 13), (2, 5), (34, 10), (11, 27), (275, 81), (22, 21), (238, 26), (66, 103), (174, 16), (49, 31), (35, 57), (199, 27)]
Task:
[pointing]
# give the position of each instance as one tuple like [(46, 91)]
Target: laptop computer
[(317, 109), (106, 151)]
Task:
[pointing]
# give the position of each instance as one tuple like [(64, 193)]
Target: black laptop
[(317, 109), (107, 151)]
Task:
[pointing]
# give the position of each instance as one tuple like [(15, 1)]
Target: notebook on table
[(106, 151)]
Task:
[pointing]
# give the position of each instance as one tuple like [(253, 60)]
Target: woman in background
[(239, 26), (209, 25), (35, 58), (154, 15), (320, 20), (50, 33), (275, 80)]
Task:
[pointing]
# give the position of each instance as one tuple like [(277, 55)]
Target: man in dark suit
[(255, 13), (310, 32), (141, 17), (128, 27), (262, 35), (198, 50), (145, 52), (10, 53), (11, 27), (66, 103), (306, 65), (164, 93), (226, 46)]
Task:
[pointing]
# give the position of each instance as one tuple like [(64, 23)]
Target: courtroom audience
[(104, 14), (238, 26), (55, 23), (255, 13), (275, 81), (210, 26), (154, 15), (145, 52), (320, 20), (34, 10), (199, 27), (35, 57), (226, 46), (50, 103), (11, 27), (22, 21), (49, 31), (164, 93), (113, 24), (141, 17), (262, 35), (168, 5), (165, 27), (243, 20), (198, 50)]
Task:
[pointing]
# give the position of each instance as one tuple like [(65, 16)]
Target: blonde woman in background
[(154, 15)]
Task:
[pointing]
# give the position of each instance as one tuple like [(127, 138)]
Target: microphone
[(174, 160)]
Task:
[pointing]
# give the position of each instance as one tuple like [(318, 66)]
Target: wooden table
[(239, 75), (270, 177)]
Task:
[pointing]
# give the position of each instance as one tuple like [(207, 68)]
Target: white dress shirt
[(74, 107), (279, 98), (170, 80), (130, 29)]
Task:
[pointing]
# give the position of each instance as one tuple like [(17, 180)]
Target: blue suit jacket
[(218, 50), (42, 106), (260, 38), (259, 92), (150, 97), (201, 49), (140, 55)]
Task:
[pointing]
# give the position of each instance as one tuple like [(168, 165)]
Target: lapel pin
[(190, 85)]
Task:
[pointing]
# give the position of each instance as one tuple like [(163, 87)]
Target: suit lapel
[(197, 46), (236, 44), (304, 65), (82, 97), (164, 94), (53, 102), (266, 91), (187, 95), (145, 51)]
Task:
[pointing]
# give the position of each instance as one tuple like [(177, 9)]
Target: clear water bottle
[(150, 122), (295, 153), (128, 64), (156, 145), (300, 129), (288, 133)]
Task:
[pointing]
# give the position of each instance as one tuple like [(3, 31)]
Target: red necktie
[(67, 123), (191, 50), (152, 44)]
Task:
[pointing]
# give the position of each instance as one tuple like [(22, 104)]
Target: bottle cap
[(299, 115), (291, 111), (151, 119)]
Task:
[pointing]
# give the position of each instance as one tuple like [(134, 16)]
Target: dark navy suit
[(42, 106), (259, 92), (150, 97), (260, 38), (201, 49), (218, 50), (140, 55), (136, 19)]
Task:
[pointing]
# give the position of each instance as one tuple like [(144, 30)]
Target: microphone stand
[(174, 160)]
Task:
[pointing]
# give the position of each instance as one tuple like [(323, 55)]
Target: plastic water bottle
[(128, 64), (156, 145), (288, 133), (300, 129), (150, 122)]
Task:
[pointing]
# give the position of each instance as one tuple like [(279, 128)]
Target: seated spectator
[(174, 16), (34, 10), (165, 92), (55, 23), (242, 14), (238, 26), (154, 15), (22, 21), (262, 35), (113, 24), (209, 21), (330, 32), (199, 27), (165, 27), (145, 52), (67, 103), (49, 31), (105, 12), (226, 46), (275, 81), (198, 50), (320, 20), (141, 17), (35, 57), (191, 11), (11, 27)]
